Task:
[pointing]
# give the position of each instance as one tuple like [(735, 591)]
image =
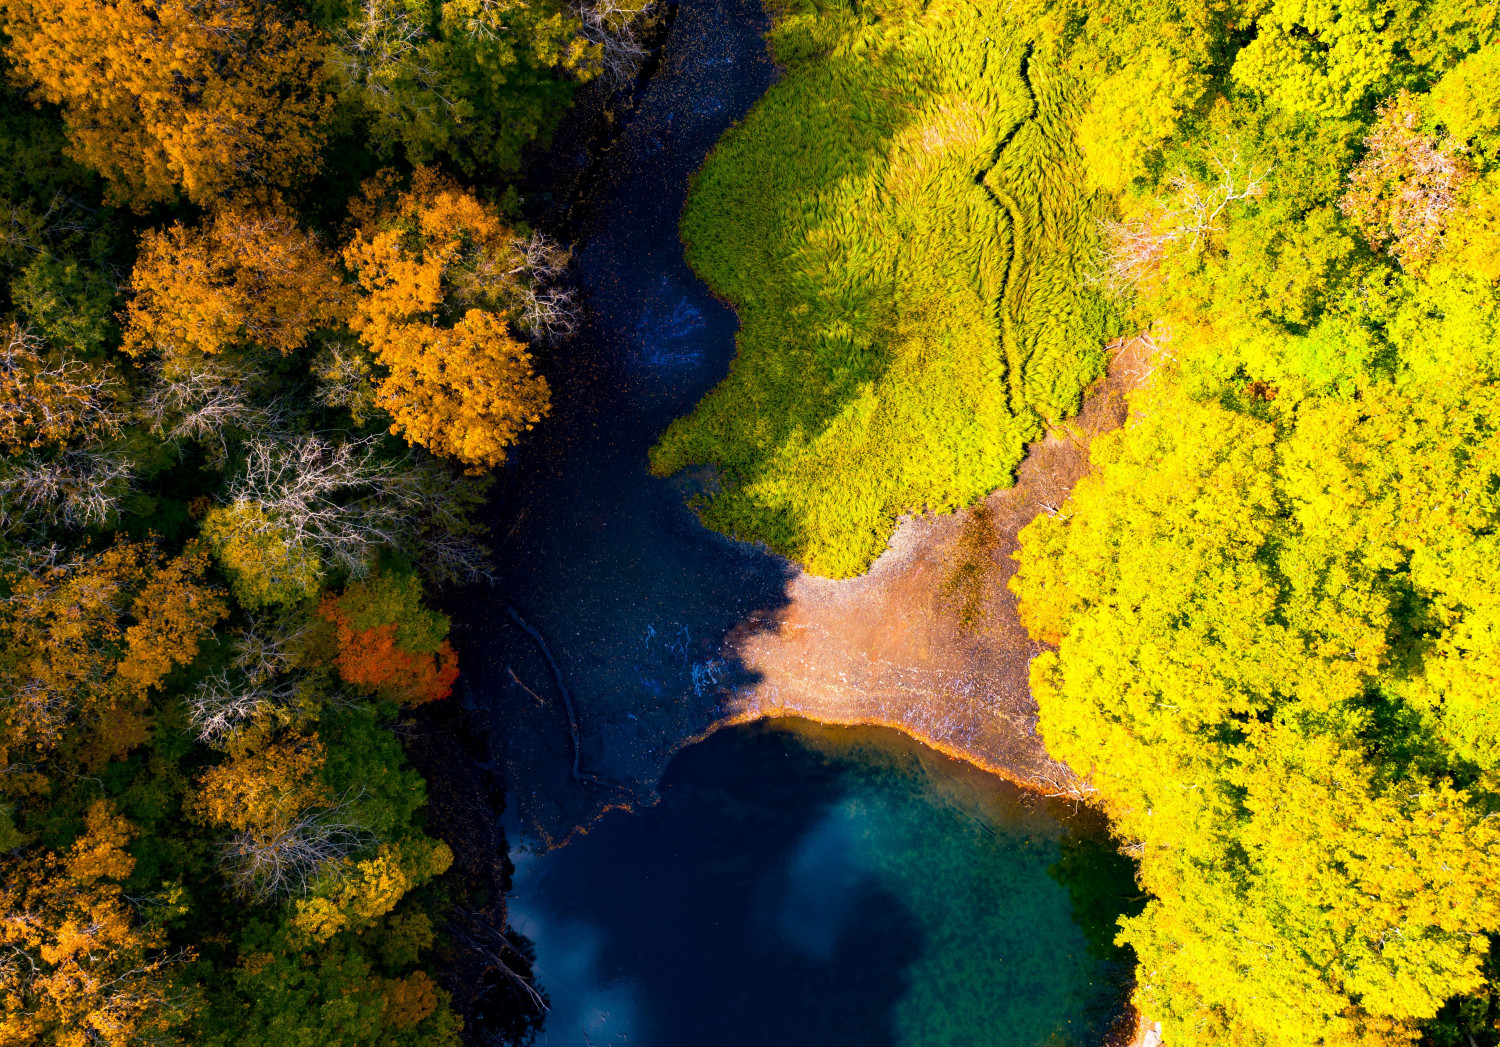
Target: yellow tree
[(264, 791), (1277, 659), (209, 96), (82, 642), (287, 825), (244, 276), (443, 281), (80, 969)]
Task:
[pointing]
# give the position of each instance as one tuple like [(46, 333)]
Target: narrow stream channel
[(604, 560)]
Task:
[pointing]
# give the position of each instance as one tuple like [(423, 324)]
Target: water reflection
[(808, 886)]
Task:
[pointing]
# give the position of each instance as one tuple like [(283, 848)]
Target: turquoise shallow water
[(800, 885)]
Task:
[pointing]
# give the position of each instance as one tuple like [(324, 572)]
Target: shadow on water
[(816, 887)]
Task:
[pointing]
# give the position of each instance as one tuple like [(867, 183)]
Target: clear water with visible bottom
[(801, 886)]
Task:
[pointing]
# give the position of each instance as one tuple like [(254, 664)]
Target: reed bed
[(902, 226)]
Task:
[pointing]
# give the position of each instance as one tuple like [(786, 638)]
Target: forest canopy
[(259, 348), (1270, 609), (269, 317)]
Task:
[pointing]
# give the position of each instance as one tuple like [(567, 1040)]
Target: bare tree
[(74, 489), (339, 500), (264, 649), (1403, 192), (542, 258), (382, 46), (550, 314), (442, 538), (345, 379), (549, 309), (526, 276), (290, 861), (206, 398), (343, 502), (46, 401), (382, 37), (614, 29), (1134, 249), (220, 707), (448, 557)]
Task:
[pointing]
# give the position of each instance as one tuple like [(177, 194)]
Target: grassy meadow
[(902, 225)]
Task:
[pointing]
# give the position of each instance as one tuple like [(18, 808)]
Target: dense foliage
[(903, 226), (1274, 602), (215, 546)]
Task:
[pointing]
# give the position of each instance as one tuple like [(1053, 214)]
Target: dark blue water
[(605, 560), (801, 886)]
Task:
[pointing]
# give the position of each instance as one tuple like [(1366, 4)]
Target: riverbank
[(928, 642), (620, 629)]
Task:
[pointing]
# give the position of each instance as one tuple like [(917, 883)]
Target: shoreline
[(885, 649)]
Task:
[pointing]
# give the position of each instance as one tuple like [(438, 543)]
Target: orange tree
[(244, 276), (210, 97), (388, 643), (443, 282)]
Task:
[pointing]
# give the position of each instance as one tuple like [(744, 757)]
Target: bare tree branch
[(219, 708), (75, 489), (613, 28), (1134, 249), (289, 862)]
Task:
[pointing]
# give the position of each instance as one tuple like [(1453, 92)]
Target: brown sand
[(888, 648)]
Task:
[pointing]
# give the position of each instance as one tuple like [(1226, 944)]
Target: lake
[(803, 885)]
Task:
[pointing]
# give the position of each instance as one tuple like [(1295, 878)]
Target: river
[(620, 634), (808, 886)]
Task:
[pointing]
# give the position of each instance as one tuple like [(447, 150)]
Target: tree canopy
[(217, 562), (1269, 609)]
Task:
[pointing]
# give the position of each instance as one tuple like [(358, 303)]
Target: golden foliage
[(81, 638), (410, 1000), (439, 274), (244, 276), (171, 612), (81, 971), (467, 392), (264, 791), (211, 96), (100, 852), (372, 888)]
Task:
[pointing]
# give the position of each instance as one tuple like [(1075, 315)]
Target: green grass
[(901, 225)]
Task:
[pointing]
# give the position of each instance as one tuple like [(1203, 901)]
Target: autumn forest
[(275, 311)]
